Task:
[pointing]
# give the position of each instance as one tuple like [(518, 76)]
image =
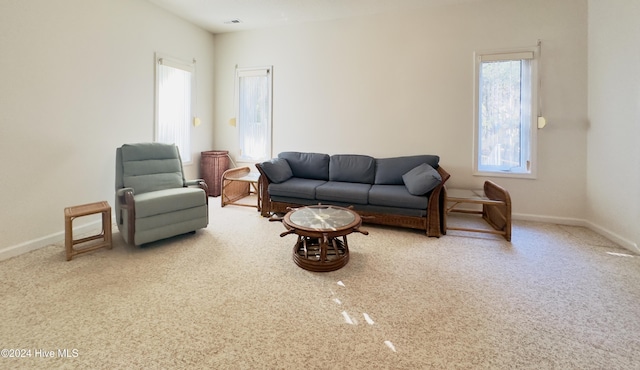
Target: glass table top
[(243, 176), (323, 218)]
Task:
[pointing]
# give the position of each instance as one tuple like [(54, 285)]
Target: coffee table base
[(312, 254)]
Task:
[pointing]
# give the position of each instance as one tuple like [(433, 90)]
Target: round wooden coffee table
[(322, 236)]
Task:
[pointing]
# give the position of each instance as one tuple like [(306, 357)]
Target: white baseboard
[(54, 238), (623, 242), (549, 219)]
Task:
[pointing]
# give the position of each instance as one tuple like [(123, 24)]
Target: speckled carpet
[(230, 297)]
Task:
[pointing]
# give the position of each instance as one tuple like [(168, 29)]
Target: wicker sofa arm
[(263, 189), (436, 208)]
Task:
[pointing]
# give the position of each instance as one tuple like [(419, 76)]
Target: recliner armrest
[(201, 184), (195, 182), (123, 191), (124, 197)]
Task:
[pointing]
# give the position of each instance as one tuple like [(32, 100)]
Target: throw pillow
[(277, 170), (421, 179)]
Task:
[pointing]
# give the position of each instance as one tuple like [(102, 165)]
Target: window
[(505, 100), (254, 112), (174, 89)]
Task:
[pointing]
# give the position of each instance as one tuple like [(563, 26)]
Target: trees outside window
[(504, 114)]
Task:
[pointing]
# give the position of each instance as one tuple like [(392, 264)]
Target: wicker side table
[(238, 183), (104, 237), (213, 163), (496, 208)]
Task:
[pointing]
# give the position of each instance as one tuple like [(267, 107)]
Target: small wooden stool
[(496, 208), (71, 213)]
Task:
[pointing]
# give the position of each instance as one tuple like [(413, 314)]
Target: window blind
[(174, 104)]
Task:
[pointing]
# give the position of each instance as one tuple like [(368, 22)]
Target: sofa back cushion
[(149, 167), (308, 165), (389, 171), (352, 168)]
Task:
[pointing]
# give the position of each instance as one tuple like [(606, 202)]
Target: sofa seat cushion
[(389, 171), (308, 165), (352, 168), (396, 196), (348, 192), (167, 201), (296, 188)]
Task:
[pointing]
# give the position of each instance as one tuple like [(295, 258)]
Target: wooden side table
[(71, 213), (496, 208)]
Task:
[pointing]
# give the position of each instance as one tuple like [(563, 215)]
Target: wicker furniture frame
[(71, 213), (433, 223), (319, 248), (238, 183), (496, 207), (213, 163)]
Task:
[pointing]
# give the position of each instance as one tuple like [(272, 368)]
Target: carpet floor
[(230, 297)]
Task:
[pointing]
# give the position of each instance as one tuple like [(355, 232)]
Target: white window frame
[(528, 157), (243, 136), (181, 135)]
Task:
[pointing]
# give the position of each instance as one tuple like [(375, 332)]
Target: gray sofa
[(401, 191)]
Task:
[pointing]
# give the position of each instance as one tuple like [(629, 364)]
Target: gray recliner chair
[(153, 200)]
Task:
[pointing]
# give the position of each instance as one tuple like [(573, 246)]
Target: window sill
[(506, 174)]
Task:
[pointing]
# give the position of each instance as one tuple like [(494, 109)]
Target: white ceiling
[(214, 15)]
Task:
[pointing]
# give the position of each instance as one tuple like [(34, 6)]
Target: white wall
[(77, 81), (400, 84), (613, 158)]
